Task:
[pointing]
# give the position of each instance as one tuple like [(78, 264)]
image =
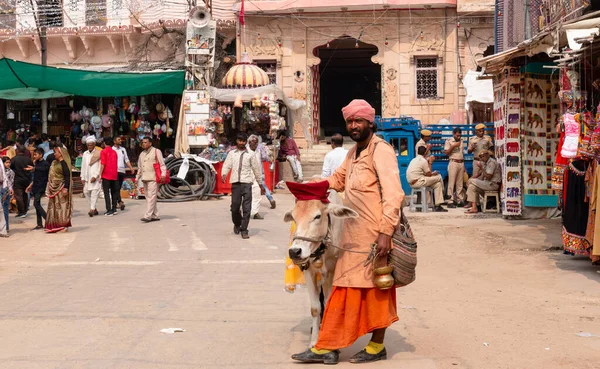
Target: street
[(487, 294)]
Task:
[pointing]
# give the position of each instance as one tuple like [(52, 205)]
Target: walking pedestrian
[(109, 175), (371, 181), (90, 174), (260, 152), (38, 187), (3, 193), (59, 192), (7, 192), (123, 164), (244, 171), (146, 174), (22, 166)]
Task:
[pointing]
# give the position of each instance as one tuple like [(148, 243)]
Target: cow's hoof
[(330, 358), (364, 357)]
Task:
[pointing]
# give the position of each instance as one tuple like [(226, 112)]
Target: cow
[(318, 232)]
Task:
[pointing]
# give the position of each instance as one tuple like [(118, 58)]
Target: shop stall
[(247, 103), (526, 110)]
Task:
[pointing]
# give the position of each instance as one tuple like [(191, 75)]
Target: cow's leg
[(315, 304)]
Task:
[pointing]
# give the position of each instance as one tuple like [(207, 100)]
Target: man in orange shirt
[(370, 178)]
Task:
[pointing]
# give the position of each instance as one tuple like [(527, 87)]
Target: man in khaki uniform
[(424, 142), (420, 175), (489, 181), (477, 144), (454, 148)]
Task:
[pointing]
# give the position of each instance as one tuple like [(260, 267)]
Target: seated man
[(419, 175), (288, 151), (490, 180)]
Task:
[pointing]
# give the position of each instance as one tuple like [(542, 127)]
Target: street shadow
[(78, 228), (579, 264), (394, 342)]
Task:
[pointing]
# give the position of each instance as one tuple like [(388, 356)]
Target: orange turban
[(359, 108)]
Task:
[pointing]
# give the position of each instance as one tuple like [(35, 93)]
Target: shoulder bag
[(403, 256), (159, 177)]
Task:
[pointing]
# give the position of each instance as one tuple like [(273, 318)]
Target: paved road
[(98, 296)]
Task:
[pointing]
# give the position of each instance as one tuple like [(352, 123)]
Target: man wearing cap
[(90, 174), (478, 143), (489, 181), (371, 181), (424, 142), (418, 175), (454, 147)]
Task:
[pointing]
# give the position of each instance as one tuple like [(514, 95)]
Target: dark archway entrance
[(346, 72)]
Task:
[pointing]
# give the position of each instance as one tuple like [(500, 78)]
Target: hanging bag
[(403, 255), (159, 178)]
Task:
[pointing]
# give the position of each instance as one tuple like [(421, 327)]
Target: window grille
[(271, 68), (426, 78), (95, 12), (8, 17)]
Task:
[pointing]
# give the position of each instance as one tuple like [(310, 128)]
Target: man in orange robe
[(356, 306)]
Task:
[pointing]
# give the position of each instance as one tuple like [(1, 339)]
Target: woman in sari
[(59, 193)]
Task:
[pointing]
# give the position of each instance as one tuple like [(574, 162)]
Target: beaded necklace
[(577, 172)]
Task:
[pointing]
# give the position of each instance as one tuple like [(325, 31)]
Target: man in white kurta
[(90, 174), (256, 192)]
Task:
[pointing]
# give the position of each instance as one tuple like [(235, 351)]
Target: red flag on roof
[(242, 21)]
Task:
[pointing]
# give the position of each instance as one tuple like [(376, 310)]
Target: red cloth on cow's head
[(310, 191)]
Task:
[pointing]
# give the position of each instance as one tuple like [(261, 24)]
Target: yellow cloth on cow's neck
[(293, 276), (374, 348)]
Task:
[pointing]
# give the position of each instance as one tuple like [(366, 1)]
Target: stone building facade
[(421, 53)]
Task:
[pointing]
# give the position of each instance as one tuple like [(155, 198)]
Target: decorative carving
[(70, 45), (114, 42), (88, 43), (299, 92), (299, 76), (430, 38), (38, 44), (391, 105), (23, 46), (268, 45), (298, 131), (391, 74)]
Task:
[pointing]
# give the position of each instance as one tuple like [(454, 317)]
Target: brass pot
[(384, 282), (383, 270), (317, 263)]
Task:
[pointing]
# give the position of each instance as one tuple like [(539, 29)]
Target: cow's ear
[(288, 217), (341, 211)]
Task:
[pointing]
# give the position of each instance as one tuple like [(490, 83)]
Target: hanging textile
[(511, 150), (575, 209)]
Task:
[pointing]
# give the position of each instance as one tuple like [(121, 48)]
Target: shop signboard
[(200, 45), (196, 109)]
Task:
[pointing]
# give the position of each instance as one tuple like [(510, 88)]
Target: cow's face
[(312, 221)]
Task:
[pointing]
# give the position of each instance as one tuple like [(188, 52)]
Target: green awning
[(24, 81)]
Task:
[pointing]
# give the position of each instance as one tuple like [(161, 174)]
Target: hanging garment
[(571, 143), (593, 234), (575, 209), (560, 164)]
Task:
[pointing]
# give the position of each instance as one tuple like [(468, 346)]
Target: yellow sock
[(320, 352), (374, 348)]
